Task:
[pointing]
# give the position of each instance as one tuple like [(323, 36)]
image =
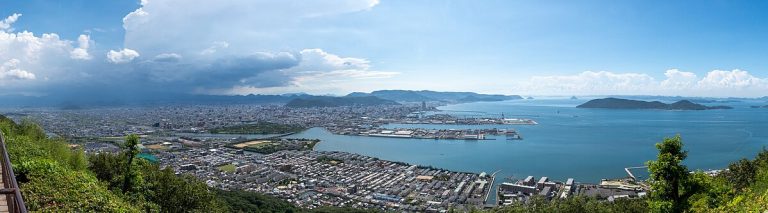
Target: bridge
[(10, 195)]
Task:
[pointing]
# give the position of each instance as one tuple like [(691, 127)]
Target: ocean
[(570, 142)]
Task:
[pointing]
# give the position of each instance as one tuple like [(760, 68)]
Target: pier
[(420, 133), (630, 172), (490, 187)]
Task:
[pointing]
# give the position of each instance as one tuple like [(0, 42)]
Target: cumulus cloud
[(240, 26), (677, 79), (218, 60), (27, 56), (601, 81), (9, 70), (734, 79), (676, 82), (197, 52), (317, 60), (316, 63), (81, 52), (122, 56), (5, 24), (315, 71)]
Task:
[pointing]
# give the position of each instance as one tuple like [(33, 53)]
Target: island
[(617, 103)]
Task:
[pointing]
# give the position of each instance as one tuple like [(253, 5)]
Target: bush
[(53, 177)]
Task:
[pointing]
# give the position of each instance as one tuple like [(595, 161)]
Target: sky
[(227, 47)]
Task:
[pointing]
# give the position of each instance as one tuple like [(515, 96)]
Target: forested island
[(618, 103)]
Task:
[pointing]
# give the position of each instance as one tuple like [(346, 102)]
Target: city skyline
[(149, 48)]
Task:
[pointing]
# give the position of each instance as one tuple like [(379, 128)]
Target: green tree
[(668, 175), (741, 173), (132, 149), (107, 167)]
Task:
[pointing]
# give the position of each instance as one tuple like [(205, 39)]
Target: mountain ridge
[(326, 101), (429, 95)]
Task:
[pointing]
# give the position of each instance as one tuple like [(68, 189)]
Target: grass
[(229, 168), (254, 144), (157, 147), (258, 128)]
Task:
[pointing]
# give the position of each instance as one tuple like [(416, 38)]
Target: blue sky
[(692, 48)]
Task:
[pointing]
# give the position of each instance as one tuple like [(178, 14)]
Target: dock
[(490, 187), (630, 172), (437, 134)]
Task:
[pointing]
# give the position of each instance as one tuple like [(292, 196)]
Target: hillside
[(617, 103), (325, 101), (427, 95), (55, 178)]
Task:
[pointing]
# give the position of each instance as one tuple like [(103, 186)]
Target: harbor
[(423, 133)]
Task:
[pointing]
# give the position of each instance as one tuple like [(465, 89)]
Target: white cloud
[(319, 72), (123, 56), (168, 57), (81, 52), (677, 79), (5, 24), (217, 45), (9, 70), (714, 83), (255, 43), (734, 79), (247, 26), (601, 81), (317, 60), (26, 56)]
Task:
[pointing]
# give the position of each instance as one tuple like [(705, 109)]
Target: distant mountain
[(395, 95), (617, 103), (109, 101), (84, 102), (426, 95), (326, 101)]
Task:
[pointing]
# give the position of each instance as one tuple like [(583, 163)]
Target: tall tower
[(423, 106)]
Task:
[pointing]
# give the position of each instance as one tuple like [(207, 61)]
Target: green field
[(258, 128), (229, 168)]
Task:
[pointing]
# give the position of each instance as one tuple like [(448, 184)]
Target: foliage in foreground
[(741, 188), (576, 204), (152, 188), (52, 177)]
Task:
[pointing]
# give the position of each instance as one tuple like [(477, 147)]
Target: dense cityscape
[(179, 137)]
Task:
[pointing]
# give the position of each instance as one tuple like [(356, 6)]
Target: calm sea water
[(569, 142)]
